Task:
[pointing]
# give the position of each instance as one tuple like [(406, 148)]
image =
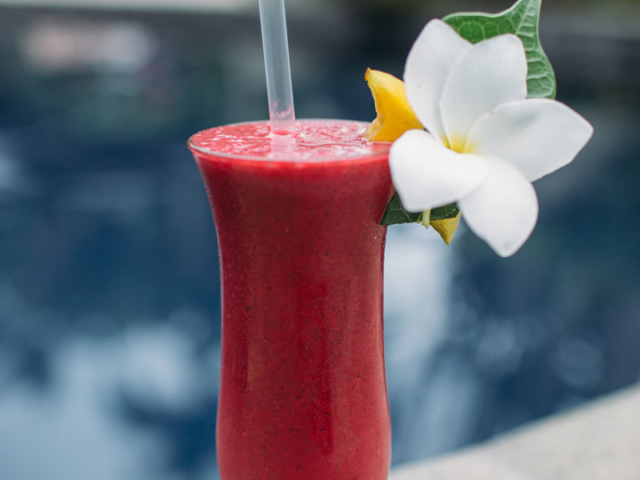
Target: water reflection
[(133, 406), (70, 45), (109, 304)]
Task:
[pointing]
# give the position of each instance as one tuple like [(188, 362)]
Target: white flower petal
[(428, 65), (504, 210), (538, 136), (426, 174), (491, 73)]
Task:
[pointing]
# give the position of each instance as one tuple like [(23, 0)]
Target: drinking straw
[(277, 66)]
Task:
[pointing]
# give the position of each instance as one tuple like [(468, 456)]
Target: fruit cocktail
[(303, 392)]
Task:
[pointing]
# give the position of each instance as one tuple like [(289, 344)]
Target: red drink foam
[(316, 140)]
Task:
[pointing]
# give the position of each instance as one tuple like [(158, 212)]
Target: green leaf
[(395, 213), (522, 20), (442, 213)]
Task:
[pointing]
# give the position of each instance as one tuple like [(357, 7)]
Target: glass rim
[(270, 161)]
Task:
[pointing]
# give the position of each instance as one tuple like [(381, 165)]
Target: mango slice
[(447, 227), (395, 115)]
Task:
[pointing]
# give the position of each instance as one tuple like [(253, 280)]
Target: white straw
[(277, 66)]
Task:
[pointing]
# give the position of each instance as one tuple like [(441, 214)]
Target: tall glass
[(303, 391)]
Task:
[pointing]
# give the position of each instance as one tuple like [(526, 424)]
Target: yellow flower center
[(458, 144)]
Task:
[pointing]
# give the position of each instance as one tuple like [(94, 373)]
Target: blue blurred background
[(109, 289)]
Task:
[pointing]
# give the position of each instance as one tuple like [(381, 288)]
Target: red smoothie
[(303, 392)]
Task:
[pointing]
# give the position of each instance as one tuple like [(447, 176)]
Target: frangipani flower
[(486, 142)]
